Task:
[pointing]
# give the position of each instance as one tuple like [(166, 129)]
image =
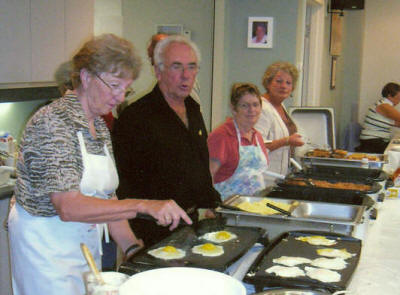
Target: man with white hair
[(160, 141)]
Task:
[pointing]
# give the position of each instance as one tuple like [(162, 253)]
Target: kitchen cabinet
[(38, 35)]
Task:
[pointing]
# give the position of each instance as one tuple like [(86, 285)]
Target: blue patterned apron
[(248, 177)]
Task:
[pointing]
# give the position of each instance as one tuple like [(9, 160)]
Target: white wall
[(242, 64), (380, 50)]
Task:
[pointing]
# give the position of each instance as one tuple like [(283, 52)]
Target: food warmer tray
[(306, 215), (311, 161), (374, 186), (316, 194), (287, 245), (185, 238), (347, 173)]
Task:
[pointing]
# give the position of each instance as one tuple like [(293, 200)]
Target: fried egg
[(285, 271), (290, 260), (167, 253), (208, 249), (219, 236), (317, 240), (341, 253), (323, 275), (331, 263)]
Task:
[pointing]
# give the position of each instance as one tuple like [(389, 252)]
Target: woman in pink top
[(238, 157)]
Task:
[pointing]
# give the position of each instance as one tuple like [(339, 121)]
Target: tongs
[(288, 213), (283, 211)]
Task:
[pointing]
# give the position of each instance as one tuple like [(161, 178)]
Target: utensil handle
[(279, 209), (92, 264), (296, 164), (274, 175)]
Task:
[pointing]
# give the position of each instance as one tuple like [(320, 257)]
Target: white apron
[(45, 252), (272, 127), (249, 177)]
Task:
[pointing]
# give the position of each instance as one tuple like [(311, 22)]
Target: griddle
[(187, 237), (374, 186), (287, 245)]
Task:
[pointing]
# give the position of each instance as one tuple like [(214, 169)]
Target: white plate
[(181, 281)]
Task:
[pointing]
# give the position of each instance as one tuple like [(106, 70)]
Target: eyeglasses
[(116, 89), (247, 106), (180, 68)]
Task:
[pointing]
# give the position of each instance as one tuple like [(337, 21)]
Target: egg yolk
[(169, 249), (223, 235), (208, 247)]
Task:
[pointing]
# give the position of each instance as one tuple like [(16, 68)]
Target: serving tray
[(310, 161), (287, 245)]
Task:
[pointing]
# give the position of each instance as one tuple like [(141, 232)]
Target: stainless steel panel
[(315, 124)]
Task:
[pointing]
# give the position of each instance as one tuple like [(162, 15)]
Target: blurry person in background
[(152, 44), (160, 141), (238, 157), (378, 123), (63, 78), (65, 190), (275, 125)]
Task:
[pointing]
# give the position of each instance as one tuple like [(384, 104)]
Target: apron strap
[(82, 145)]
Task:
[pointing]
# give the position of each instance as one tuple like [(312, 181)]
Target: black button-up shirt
[(158, 157)]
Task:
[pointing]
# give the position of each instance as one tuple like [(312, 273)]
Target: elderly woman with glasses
[(65, 191), (238, 157)]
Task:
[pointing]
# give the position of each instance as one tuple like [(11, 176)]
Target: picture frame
[(260, 32)]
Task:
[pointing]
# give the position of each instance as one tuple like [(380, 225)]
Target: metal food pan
[(304, 210), (374, 187), (316, 194), (310, 161), (287, 245), (347, 173), (308, 215)]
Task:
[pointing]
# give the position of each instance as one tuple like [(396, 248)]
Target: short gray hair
[(164, 44)]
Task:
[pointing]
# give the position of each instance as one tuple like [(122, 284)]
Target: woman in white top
[(277, 128), (380, 119)]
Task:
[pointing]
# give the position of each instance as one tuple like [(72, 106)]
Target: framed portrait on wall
[(260, 32)]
